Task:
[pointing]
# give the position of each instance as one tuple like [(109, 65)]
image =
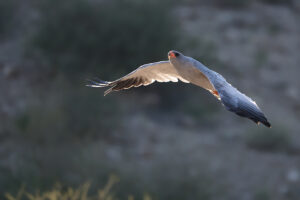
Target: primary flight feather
[(188, 70)]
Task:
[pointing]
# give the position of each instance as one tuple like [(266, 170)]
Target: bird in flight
[(188, 70)]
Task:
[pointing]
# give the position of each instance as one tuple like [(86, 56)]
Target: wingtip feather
[(96, 83), (267, 124), (264, 122)]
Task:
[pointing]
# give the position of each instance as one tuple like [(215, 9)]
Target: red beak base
[(172, 54)]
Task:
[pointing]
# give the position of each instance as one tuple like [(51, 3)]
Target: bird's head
[(176, 57), (174, 54)]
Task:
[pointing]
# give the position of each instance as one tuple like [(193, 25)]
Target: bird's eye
[(176, 54)]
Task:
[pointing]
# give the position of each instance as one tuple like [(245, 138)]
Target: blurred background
[(164, 141)]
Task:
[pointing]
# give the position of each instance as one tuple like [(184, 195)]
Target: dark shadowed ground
[(164, 141)]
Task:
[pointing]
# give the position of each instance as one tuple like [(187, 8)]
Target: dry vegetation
[(80, 193)]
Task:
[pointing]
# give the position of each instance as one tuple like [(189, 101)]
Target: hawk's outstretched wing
[(162, 71)]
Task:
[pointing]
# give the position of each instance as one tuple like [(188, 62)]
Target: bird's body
[(189, 70)]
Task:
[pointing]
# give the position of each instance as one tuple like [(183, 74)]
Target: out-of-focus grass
[(72, 165), (69, 193), (114, 189)]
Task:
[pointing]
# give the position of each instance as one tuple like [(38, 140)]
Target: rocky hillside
[(173, 141)]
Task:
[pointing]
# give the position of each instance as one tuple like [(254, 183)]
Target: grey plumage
[(242, 105), (188, 70)]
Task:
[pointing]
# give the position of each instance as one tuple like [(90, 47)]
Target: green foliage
[(185, 188), (269, 140), (287, 2), (261, 58), (206, 52), (239, 4), (6, 15), (42, 123), (233, 3), (22, 122), (262, 194), (274, 29), (201, 106), (76, 36), (79, 112), (200, 111)]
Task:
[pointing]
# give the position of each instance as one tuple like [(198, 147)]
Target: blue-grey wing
[(242, 105)]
